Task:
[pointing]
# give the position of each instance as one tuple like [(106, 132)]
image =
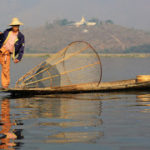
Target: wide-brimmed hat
[(15, 22)]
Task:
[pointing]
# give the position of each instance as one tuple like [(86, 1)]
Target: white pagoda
[(84, 22)]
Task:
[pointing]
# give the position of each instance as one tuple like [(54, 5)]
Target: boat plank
[(122, 85)]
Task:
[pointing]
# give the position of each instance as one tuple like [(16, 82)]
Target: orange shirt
[(10, 43)]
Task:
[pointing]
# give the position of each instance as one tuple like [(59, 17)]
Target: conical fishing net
[(78, 63)]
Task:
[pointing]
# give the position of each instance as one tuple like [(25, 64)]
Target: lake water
[(94, 121)]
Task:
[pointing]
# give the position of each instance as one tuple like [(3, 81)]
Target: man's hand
[(16, 61)]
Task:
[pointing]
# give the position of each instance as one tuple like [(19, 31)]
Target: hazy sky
[(131, 13)]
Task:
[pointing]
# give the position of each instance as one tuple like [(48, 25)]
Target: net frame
[(21, 83)]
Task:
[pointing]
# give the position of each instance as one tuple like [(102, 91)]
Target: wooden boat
[(76, 68), (115, 86)]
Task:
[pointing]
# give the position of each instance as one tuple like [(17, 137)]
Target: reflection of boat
[(144, 101), (73, 137), (143, 98), (69, 119)]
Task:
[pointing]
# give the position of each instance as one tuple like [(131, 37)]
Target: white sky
[(131, 13)]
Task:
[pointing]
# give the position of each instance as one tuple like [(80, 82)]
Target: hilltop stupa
[(84, 22)]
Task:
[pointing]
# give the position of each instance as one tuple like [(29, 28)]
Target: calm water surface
[(109, 121)]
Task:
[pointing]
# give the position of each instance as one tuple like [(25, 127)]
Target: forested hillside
[(105, 38)]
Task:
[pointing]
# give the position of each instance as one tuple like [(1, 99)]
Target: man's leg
[(5, 74), (1, 65)]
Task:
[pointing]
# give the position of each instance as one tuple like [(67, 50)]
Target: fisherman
[(11, 43)]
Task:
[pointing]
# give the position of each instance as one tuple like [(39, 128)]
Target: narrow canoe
[(115, 86)]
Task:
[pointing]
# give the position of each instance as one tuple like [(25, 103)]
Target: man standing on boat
[(11, 43)]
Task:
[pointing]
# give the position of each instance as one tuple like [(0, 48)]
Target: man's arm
[(1, 35), (21, 51)]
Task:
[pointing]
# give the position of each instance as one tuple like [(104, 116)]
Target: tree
[(96, 20), (109, 22), (63, 22)]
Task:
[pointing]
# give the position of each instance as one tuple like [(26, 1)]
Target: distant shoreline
[(140, 55)]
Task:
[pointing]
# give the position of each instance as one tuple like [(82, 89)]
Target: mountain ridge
[(106, 38)]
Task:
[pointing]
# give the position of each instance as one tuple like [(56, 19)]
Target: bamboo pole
[(37, 67), (66, 58), (63, 73)]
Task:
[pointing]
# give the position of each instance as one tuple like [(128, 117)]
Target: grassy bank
[(37, 55), (140, 55)]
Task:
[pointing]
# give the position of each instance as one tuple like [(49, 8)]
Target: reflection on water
[(103, 119), (144, 100), (9, 134), (77, 117)]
